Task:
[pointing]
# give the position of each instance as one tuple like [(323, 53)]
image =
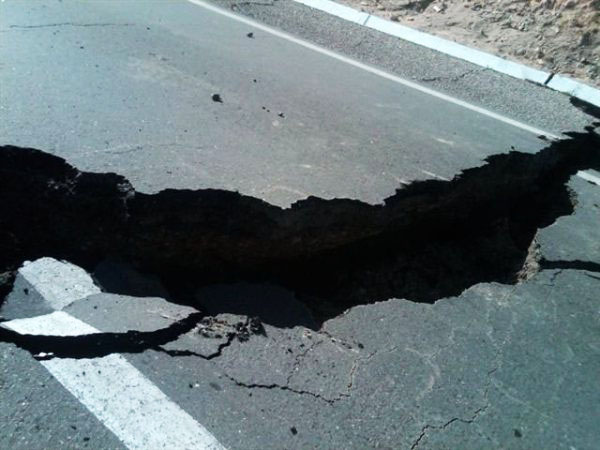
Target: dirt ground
[(560, 36)]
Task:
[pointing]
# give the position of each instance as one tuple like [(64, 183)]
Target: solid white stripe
[(381, 73), (373, 70), (442, 45), (589, 177), (120, 396), (558, 83)]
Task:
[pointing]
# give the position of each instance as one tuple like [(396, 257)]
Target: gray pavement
[(498, 366), (36, 412), (524, 101), (119, 87), (127, 89)]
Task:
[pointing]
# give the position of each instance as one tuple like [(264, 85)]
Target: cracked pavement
[(496, 366), (128, 90)]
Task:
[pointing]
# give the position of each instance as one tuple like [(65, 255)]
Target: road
[(180, 95), (122, 88)]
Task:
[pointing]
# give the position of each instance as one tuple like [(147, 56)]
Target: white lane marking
[(52, 324), (589, 177), (120, 396), (373, 70), (517, 70), (431, 41), (379, 72), (60, 283), (431, 174), (444, 141)]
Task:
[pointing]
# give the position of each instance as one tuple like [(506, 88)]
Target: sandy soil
[(560, 36)]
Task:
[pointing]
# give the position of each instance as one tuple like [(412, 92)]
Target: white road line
[(47, 276), (120, 396), (474, 56), (589, 177), (379, 72), (373, 70)]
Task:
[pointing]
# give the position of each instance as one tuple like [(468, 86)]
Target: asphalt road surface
[(180, 95), (128, 86)]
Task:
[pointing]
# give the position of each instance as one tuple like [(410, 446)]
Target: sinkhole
[(221, 251)]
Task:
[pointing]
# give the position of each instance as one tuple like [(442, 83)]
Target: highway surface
[(117, 86), (184, 95)]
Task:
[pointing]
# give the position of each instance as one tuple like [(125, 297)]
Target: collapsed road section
[(432, 239)]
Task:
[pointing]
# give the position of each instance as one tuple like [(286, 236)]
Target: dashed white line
[(120, 396), (47, 275)]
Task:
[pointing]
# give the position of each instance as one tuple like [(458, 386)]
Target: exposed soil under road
[(430, 240)]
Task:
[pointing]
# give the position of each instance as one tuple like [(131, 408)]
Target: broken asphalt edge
[(550, 80), (321, 248)]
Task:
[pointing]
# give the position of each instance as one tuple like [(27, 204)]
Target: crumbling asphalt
[(430, 240), (500, 363), (497, 365)]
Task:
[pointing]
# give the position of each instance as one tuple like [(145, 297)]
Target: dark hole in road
[(430, 240)]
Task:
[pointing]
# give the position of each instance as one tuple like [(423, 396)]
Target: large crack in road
[(96, 345), (430, 240)]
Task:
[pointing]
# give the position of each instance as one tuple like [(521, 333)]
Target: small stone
[(217, 98)]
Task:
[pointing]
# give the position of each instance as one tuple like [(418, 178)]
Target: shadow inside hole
[(273, 304), (227, 252)]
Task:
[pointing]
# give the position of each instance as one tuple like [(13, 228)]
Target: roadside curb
[(556, 82)]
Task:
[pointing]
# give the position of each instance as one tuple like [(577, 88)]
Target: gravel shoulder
[(560, 36)]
